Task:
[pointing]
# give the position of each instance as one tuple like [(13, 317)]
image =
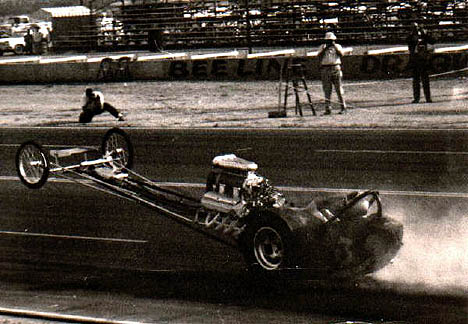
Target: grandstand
[(157, 24)]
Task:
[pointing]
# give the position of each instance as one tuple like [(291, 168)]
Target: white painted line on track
[(393, 152), (289, 129), (319, 150), (340, 190), (60, 317), (433, 194), (56, 145), (17, 145), (292, 188), (51, 179), (74, 237)]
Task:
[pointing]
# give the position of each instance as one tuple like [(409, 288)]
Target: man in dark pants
[(93, 104), (28, 40), (419, 61)]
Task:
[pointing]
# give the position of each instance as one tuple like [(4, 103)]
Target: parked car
[(11, 44), (19, 24)]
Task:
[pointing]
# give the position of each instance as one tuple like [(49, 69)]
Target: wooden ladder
[(295, 74)]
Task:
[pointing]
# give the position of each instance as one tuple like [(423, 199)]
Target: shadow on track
[(365, 299)]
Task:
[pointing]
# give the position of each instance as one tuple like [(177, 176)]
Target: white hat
[(330, 36)]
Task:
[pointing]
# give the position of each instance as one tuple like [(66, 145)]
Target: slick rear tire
[(266, 245)]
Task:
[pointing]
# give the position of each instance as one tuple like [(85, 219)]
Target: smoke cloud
[(434, 256)]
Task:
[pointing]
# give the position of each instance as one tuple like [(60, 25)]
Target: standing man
[(419, 61), (329, 55), (93, 104), (28, 41), (36, 40)]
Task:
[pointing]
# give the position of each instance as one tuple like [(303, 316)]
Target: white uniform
[(331, 54), (93, 104), (330, 69)]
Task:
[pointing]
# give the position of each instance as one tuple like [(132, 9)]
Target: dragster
[(344, 235)]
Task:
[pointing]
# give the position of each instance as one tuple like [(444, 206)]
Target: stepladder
[(295, 80)]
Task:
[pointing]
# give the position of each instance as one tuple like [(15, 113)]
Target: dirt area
[(375, 104)]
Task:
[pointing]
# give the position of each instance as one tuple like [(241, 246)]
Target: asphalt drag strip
[(433, 257), (213, 297)]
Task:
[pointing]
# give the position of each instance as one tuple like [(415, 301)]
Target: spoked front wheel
[(32, 165), (116, 144)]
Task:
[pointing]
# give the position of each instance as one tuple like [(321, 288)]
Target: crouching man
[(93, 104)]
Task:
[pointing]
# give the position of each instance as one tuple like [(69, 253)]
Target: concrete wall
[(355, 67)]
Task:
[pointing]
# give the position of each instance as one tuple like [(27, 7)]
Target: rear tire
[(32, 165), (117, 143), (266, 245)]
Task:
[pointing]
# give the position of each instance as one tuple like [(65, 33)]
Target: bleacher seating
[(249, 23)]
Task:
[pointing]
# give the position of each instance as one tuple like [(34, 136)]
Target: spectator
[(419, 61), (329, 55), (28, 42), (45, 40), (36, 41), (49, 39), (93, 104)]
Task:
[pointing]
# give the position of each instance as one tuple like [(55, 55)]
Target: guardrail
[(229, 65)]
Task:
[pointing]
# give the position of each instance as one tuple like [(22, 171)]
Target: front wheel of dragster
[(32, 165), (116, 143), (266, 245)]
